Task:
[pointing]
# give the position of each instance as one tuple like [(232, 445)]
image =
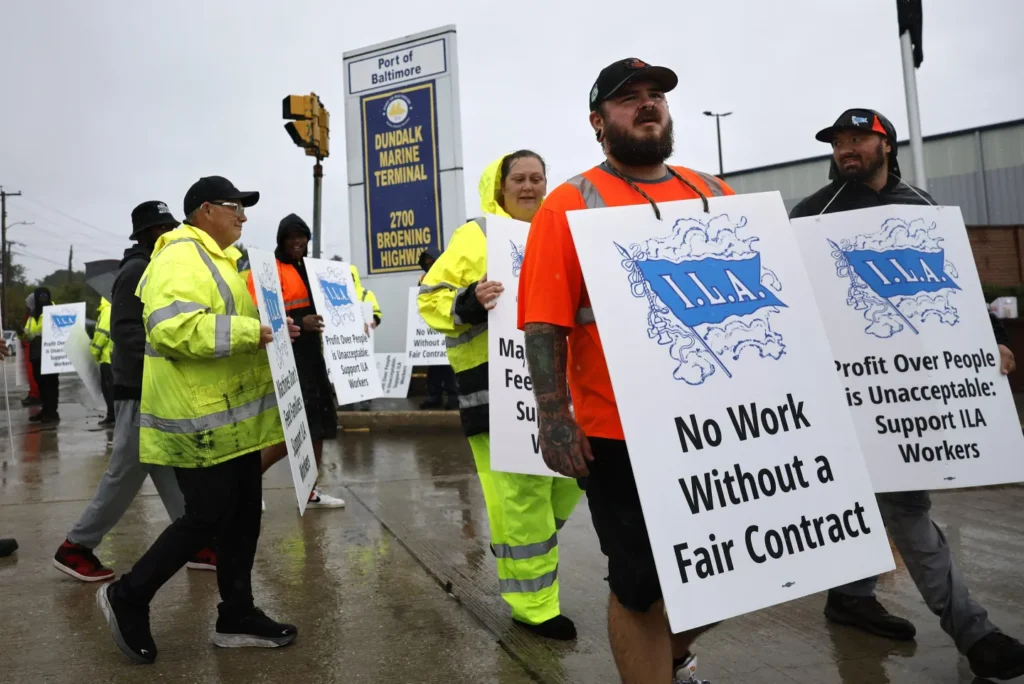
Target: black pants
[(222, 505), (107, 383), (441, 381), (49, 387)]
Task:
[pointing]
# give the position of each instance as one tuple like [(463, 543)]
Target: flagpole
[(900, 314), (708, 348), (913, 111)]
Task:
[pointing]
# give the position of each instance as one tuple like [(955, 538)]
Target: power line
[(73, 218), (51, 223), (36, 256), (63, 229)]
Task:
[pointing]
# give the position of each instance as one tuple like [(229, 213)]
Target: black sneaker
[(559, 628), (129, 626), (252, 629), (866, 613), (31, 401), (7, 547), (997, 656)]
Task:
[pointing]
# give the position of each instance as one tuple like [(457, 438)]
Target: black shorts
[(621, 529)]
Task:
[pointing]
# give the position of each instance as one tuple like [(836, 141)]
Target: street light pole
[(718, 128)]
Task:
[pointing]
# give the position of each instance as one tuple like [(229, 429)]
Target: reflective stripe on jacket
[(102, 346), (207, 392), (463, 263)]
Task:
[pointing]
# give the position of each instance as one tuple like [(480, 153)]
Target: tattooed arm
[(564, 446)]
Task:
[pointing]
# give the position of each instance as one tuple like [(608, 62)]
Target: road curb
[(399, 420)]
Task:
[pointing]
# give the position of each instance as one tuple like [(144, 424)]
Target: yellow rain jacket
[(102, 346), (207, 392), (463, 263), (33, 329), (525, 511), (365, 295)]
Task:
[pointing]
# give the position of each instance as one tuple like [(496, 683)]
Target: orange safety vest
[(296, 296)]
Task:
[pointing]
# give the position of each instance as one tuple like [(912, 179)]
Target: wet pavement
[(400, 585)]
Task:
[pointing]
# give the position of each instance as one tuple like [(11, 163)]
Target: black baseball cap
[(151, 215), (214, 189), (618, 74), (860, 119)]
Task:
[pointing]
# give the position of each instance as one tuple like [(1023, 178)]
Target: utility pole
[(718, 128), (71, 254), (3, 251)]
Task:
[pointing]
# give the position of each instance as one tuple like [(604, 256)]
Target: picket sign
[(898, 291), (348, 347), (515, 444), (290, 403), (745, 456), (58, 322)]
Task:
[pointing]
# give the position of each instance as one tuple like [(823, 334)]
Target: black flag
[(909, 12)]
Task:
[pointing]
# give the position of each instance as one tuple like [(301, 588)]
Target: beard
[(632, 150), (869, 167)]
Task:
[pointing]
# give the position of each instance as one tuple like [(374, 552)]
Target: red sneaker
[(80, 563), (204, 560)]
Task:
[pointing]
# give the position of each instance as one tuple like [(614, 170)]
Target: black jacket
[(307, 347), (842, 195), (126, 327)]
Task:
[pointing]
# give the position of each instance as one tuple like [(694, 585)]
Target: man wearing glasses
[(208, 408)]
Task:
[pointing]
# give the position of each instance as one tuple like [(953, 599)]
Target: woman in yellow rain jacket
[(525, 511), (101, 349)]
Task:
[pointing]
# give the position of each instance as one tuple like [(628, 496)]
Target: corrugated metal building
[(981, 170)]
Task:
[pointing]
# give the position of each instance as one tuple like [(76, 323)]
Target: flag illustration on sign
[(340, 306), (518, 252), (898, 275), (273, 309), (62, 324), (273, 304), (709, 296)]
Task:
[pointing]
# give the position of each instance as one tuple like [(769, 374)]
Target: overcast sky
[(109, 103)]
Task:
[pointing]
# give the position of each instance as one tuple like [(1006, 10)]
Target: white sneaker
[(264, 504), (317, 499), (687, 672)]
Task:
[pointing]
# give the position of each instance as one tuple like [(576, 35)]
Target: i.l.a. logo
[(899, 276), (710, 299)]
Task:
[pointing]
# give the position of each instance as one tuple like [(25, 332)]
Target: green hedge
[(994, 291)]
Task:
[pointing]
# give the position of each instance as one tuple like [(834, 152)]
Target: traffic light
[(308, 127), (324, 126)]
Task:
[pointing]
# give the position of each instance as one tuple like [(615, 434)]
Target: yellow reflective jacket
[(207, 392), (33, 329), (102, 346), (461, 265), (365, 295)]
